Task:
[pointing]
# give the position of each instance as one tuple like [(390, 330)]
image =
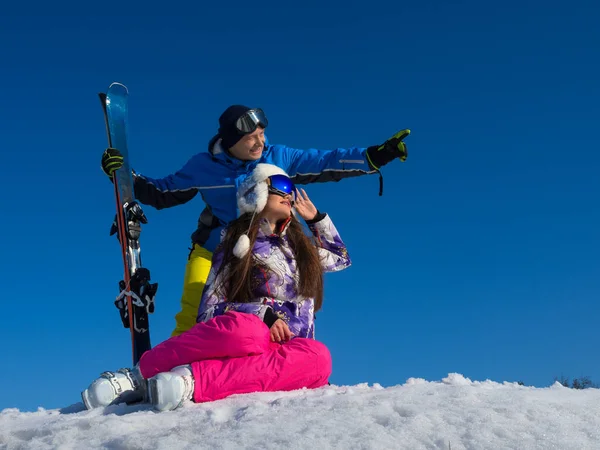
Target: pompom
[(242, 246)]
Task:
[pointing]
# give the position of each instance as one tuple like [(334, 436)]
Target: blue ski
[(136, 297)]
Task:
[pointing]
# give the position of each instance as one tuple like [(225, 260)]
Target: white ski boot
[(168, 390), (122, 386)]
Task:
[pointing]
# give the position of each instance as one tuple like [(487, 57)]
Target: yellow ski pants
[(196, 273)]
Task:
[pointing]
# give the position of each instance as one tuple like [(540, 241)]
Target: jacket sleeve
[(320, 166), (210, 294), (332, 250), (175, 189)]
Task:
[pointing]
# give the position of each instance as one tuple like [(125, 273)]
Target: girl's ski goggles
[(281, 185), (251, 120)]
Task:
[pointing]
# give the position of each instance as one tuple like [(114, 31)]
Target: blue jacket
[(216, 175)]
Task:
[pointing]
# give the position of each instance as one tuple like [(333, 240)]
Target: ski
[(136, 295)]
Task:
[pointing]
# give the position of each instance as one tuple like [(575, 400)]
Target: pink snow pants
[(233, 354)]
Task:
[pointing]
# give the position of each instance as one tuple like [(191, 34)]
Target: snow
[(454, 413)]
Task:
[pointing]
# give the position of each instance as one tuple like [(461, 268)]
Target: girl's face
[(278, 207)]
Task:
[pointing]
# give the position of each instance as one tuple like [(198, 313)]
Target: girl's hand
[(304, 206), (280, 331)]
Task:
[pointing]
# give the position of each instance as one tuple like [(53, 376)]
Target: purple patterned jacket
[(277, 287)]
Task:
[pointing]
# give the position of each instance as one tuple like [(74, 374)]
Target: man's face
[(250, 147)]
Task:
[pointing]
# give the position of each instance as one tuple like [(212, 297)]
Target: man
[(232, 154)]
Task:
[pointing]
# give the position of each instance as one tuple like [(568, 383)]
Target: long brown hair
[(237, 287)]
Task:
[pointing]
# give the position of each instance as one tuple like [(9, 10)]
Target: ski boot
[(168, 390), (122, 386)]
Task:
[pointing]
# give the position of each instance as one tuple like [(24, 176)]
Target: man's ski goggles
[(250, 121), (281, 185)]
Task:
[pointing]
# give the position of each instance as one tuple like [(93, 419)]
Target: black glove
[(380, 155), (270, 317), (112, 159)]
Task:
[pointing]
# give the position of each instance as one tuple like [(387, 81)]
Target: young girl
[(255, 329)]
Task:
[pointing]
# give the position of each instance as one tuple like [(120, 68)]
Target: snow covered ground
[(455, 413)]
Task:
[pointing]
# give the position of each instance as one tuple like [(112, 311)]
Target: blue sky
[(481, 257)]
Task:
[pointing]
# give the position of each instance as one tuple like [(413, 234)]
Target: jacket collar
[(264, 228)]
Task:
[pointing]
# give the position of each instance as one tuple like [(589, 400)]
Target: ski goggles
[(281, 185), (251, 120)]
